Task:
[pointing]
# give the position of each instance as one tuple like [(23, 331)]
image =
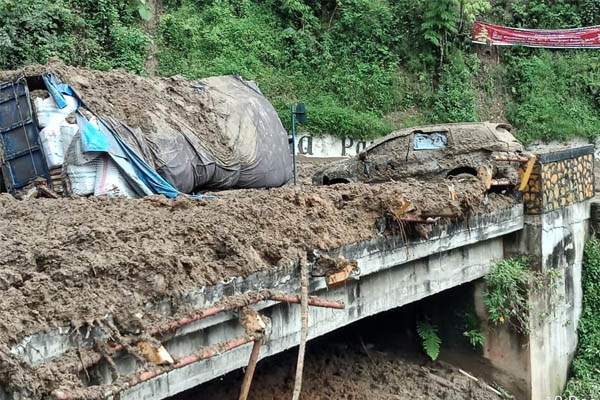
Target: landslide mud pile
[(342, 373), (75, 260), (212, 133), (149, 104)]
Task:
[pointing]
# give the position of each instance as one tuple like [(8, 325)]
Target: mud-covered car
[(433, 152)]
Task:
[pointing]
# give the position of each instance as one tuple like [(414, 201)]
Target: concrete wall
[(554, 337), (328, 146), (541, 361), (507, 352)]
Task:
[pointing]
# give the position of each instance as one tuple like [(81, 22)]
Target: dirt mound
[(153, 105), (72, 262), (78, 259), (341, 372)]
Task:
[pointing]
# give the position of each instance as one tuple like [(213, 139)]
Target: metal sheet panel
[(21, 156)]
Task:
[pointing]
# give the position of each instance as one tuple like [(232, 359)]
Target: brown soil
[(336, 371), (76, 260), (307, 166), (490, 105), (154, 105)]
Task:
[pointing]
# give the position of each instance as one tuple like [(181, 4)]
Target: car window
[(430, 140)]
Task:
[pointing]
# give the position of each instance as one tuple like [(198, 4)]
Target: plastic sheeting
[(246, 145), (117, 169), (246, 122)]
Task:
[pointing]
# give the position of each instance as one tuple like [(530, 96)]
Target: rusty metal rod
[(200, 355), (312, 301), (250, 370), (418, 220), (512, 159), (208, 312)]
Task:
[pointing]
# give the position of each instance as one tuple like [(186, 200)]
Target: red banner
[(578, 38)]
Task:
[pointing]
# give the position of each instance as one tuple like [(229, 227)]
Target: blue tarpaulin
[(99, 138), (56, 89), (91, 138), (145, 172)]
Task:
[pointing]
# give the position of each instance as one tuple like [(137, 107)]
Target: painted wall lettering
[(305, 145), (329, 146)]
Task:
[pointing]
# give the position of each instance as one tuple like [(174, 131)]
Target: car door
[(386, 160)]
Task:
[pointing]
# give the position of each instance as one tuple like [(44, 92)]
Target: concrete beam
[(393, 273), (373, 294)]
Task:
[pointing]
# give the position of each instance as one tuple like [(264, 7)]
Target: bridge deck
[(392, 273)]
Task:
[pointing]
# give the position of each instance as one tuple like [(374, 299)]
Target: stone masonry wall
[(560, 179)]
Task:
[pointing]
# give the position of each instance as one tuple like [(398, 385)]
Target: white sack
[(55, 140), (110, 182), (48, 113)]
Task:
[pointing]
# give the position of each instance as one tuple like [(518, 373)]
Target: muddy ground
[(370, 360), (75, 261), (348, 373), (307, 166)]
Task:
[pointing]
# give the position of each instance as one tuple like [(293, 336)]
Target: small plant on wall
[(475, 336), (507, 297)]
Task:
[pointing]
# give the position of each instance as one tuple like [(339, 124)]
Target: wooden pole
[(250, 370), (304, 331)]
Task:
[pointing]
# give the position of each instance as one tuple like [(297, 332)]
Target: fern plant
[(431, 340)]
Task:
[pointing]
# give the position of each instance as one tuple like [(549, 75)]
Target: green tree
[(439, 21), (469, 10)]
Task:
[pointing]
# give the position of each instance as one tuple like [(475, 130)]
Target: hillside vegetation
[(585, 383), (363, 67)]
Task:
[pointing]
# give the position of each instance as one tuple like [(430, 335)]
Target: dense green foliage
[(586, 367), (508, 288), (556, 96), (362, 67), (345, 71), (100, 34), (506, 294)]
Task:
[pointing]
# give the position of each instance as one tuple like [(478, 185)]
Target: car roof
[(489, 127)]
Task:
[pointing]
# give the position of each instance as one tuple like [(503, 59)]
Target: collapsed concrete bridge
[(550, 226)]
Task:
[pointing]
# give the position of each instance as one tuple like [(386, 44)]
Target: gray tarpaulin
[(243, 145)]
